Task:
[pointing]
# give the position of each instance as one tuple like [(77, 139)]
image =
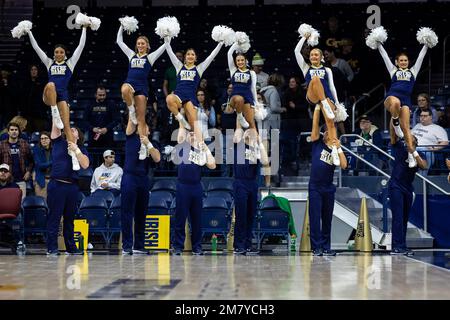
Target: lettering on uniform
[(188, 75), (194, 157), (251, 155), (317, 73), (151, 232), (138, 63), (58, 70), (403, 75), (241, 77), (325, 156)]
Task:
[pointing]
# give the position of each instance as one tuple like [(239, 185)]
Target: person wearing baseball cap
[(108, 176), (6, 177), (261, 76)]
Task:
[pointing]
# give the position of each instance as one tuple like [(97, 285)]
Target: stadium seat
[(165, 185), (114, 219), (220, 185), (226, 195), (85, 177), (35, 211), (104, 194), (157, 205), (9, 216), (272, 221), (95, 211), (81, 196), (216, 216), (166, 195)]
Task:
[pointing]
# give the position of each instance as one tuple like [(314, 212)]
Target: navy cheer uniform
[(189, 198), (135, 187), (402, 85), (242, 86), (188, 81), (62, 196), (401, 190), (321, 196), (60, 73), (245, 189), (320, 72)]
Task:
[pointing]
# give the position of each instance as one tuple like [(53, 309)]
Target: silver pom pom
[(82, 19), (243, 42), (225, 34), (129, 24), (376, 37), (94, 23), (313, 39), (167, 27), (341, 113), (305, 30), (21, 29), (427, 37)]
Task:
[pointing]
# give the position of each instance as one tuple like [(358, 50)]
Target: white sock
[(179, 116)]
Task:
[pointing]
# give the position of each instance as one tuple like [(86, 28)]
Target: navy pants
[(401, 203), (189, 201), (321, 205), (134, 201), (62, 202), (245, 203)]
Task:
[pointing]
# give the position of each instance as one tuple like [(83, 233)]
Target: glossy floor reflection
[(161, 276)]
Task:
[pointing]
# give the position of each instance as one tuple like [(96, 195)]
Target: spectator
[(6, 177), (261, 77), (42, 154), (423, 103), (349, 55), (330, 57), (16, 153), (271, 95), (8, 94), (333, 35), (371, 133), (225, 115), (170, 76), (101, 120), (108, 176), (22, 122), (33, 107), (209, 91), (295, 119), (430, 137), (207, 113), (444, 120)]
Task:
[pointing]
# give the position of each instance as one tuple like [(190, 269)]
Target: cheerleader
[(63, 188), (321, 89), (135, 88), (135, 187), (189, 194), (56, 95), (398, 98), (401, 191), (188, 79), (321, 189)]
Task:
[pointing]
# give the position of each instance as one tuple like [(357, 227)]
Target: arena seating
[(95, 211), (35, 212), (271, 221), (216, 216)]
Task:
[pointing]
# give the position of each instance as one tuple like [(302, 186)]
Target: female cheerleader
[(135, 186), (189, 189), (56, 95), (398, 98), (321, 88), (188, 79), (63, 188), (135, 88)]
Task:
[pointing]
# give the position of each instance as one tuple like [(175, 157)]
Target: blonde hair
[(146, 40), (21, 121)]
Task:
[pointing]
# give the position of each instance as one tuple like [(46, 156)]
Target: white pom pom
[(341, 113), (376, 37), (223, 33), (260, 112), (427, 37), (129, 24), (313, 39), (167, 27), (305, 30), (21, 29), (243, 41), (94, 23), (82, 19)]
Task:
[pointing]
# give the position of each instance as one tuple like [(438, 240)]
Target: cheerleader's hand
[(336, 143), (447, 162), (145, 141), (203, 147)]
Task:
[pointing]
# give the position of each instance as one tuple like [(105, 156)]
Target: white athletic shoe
[(411, 161), (398, 131), (183, 121), (75, 163), (57, 118), (142, 152), (335, 156), (244, 124), (132, 115), (327, 108)]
